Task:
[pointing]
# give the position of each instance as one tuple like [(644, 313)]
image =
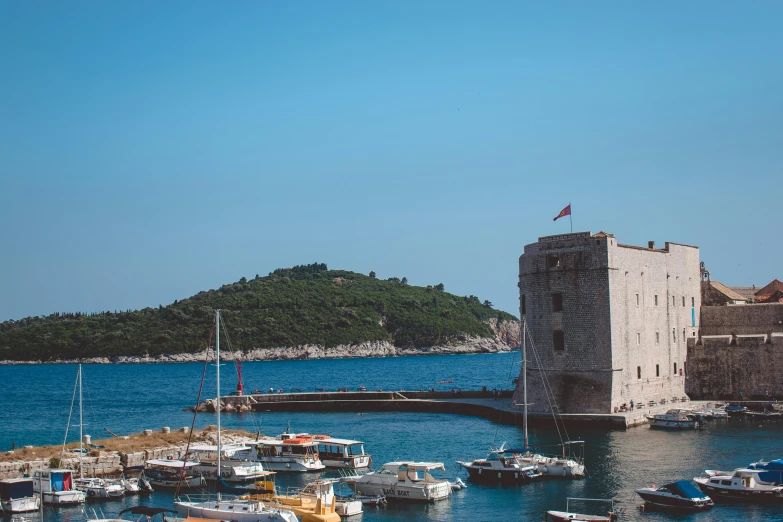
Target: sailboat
[(523, 465), (562, 465), (235, 509), (56, 486)]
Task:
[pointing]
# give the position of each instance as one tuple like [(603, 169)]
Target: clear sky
[(150, 150)]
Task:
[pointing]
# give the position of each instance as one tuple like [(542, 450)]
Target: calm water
[(129, 398)]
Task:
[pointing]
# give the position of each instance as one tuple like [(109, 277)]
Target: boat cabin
[(342, 453), (16, 488), (53, 480), (209, 452), (409, 471)]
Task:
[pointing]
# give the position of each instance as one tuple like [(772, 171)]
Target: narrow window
[(693, 301), (657, 337), (638, 372), (557, 302), (657, 370), (558, 340), (637, 300), (683, 301), (638, 339), (674, 301), (552, 261), (675, 368), (684, 339), (656, 299), (522, 305), (674, 334), (684, 367)]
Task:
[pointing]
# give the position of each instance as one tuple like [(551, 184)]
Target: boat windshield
[(684, 488)]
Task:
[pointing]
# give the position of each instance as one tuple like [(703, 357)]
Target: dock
[(494, 406)]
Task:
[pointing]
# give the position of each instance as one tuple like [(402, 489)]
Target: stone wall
[(745, 319), (721, 366)]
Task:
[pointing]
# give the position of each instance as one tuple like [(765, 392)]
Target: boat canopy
[(685, 489), (212, 448), (769, 471), (16, 488), (146, 510), (172, 463)]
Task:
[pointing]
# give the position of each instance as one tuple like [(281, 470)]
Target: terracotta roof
[(768, 291), (728, 292), (603, 234)]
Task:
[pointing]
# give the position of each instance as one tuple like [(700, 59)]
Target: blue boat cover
[(685, 488), (16, 489), (769, 471)]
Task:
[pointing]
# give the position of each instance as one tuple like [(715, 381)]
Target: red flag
[(563, 213)]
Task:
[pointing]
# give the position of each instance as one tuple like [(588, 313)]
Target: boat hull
[(290, 464), (21, 505), (726, 495), (63, 498), (398, 493), (493, 476), (563, 516), (673, 425), (672, 502), (242, 512)]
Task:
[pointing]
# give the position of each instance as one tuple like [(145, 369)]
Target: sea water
[(129, 398)]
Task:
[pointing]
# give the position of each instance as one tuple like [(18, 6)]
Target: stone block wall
[(748, 319), (720, 366)]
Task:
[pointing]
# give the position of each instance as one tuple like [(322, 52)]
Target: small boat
[(56, 487), (568, 515), (341, 453), (743, 485), (501, 465), (16, 495), (402, 481), (135, 485), (172, 473), (317, 502), (561, 466), (735, 408), (232, 471), (676, 419), (681, 495), (97, 488), (286, 452)]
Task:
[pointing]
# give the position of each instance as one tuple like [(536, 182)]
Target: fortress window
[(552, 261), (656, 300), (675, 368), (522, 307), (674, 334), (674, 301), (557, 302), (683, 301), (637, 300), (638, 339), (693, 301), (684, 339), (558, 340), (657, 370), (638, 372)]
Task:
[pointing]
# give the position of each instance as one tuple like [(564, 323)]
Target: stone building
[(607, 323)]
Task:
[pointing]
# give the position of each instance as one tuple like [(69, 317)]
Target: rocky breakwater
[(506, 338)]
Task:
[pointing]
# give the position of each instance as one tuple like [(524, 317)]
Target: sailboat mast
[(81, 423), (524, 379), (217, 378)]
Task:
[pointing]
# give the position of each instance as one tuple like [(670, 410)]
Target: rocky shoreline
[(506, 339)]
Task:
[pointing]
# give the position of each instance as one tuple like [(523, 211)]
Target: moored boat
[(286, 452), (172, 473), (405, 481), (16, 495), (676, 419), (56, 486), (342, 453), (232, 471), (571, 516), (680, 495), (501, 465), (97, 488), (743, 485)]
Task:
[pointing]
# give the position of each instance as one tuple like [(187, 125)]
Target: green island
[(303, 305)]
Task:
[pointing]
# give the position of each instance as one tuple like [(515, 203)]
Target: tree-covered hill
[(306, 304)]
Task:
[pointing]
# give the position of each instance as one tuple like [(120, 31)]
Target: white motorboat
[(97, 488), (134, 485), (16, 495), (743, 485), (680, 495), (501, 465), (172, 473), (232, 471), (286, 452), (56, 486), (342, 453), (235, 509), (405, 481), (554, 466), (676, 419)]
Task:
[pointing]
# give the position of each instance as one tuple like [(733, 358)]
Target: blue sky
[(150, 150)]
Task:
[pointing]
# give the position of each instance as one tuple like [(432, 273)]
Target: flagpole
[(570, 219)]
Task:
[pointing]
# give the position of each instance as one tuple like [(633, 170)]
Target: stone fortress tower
[(609, 322)]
